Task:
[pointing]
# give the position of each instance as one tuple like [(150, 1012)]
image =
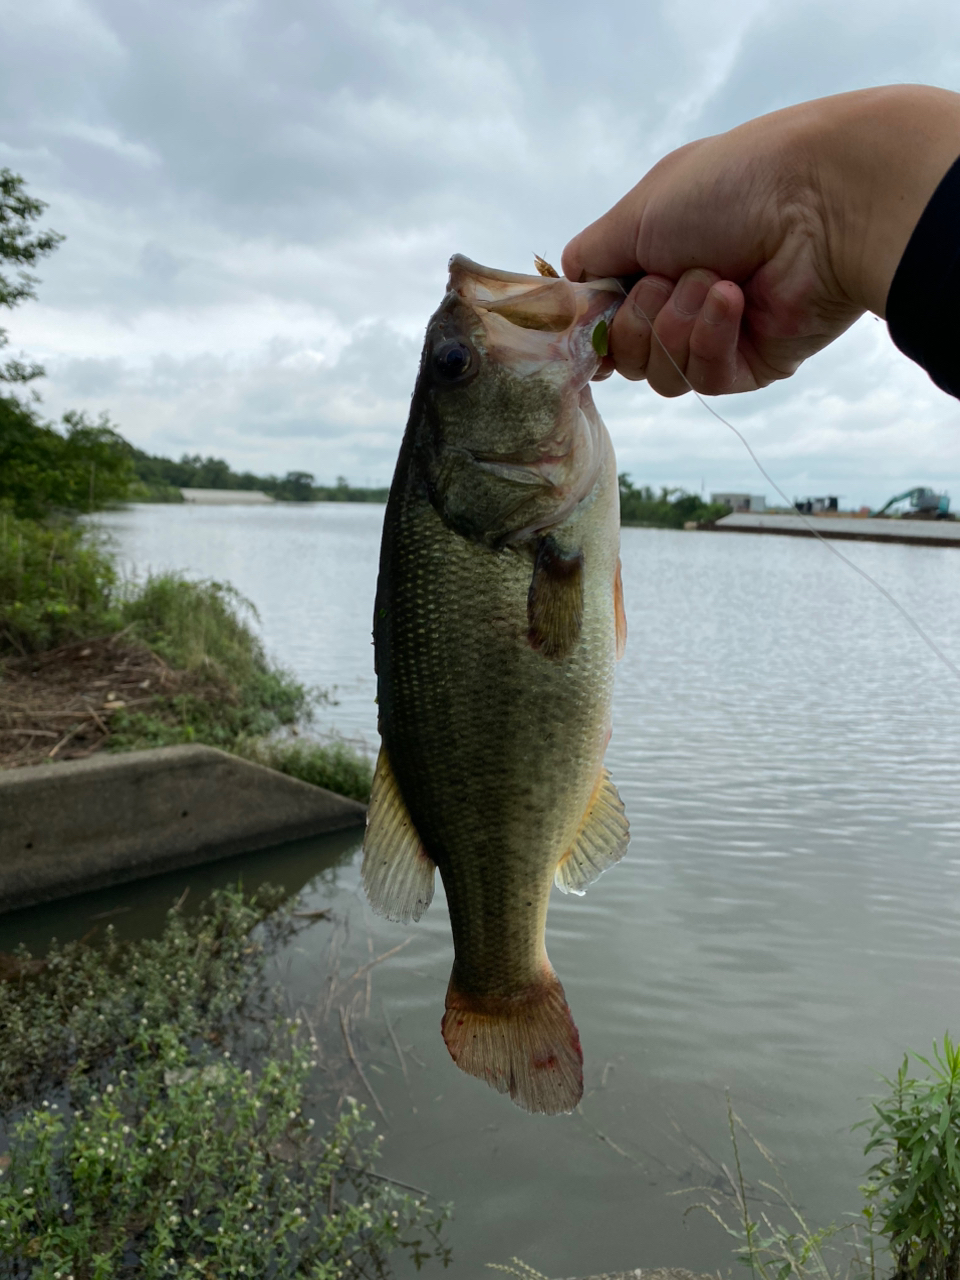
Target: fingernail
[(690, 295), (715, 307)]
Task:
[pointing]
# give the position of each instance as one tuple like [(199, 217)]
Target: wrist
[(880, 155)]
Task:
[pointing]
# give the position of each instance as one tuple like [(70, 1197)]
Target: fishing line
[(927, 639)]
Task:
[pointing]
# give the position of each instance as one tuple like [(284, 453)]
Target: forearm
[(879, 155)]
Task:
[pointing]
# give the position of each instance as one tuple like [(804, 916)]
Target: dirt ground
[(59, 705)]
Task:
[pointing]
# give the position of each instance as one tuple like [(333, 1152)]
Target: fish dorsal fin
[(620, 617), (398, 873), (601, 841), (555, 600)]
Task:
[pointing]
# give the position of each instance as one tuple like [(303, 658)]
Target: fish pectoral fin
[(555, 600), (601, 841), (398, 873), (526, 1045)]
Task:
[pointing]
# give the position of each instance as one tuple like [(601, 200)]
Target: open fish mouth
[(552, 309)]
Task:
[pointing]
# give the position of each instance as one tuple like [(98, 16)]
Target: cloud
[(260, 200)]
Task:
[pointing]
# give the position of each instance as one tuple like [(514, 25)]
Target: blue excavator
[(924, 505)]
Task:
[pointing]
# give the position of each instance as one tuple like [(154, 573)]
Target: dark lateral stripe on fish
[(555, 600)]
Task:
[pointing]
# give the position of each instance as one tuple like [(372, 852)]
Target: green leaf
[(944, 1119), (599, 339)]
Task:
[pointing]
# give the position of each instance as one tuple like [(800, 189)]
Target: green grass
[(156, 1101), (230, 689), (334, 765), (57, 584)]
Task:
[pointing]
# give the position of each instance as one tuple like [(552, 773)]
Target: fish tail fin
[(525, 1045)]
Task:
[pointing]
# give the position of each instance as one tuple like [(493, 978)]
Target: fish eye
[(452, 359)]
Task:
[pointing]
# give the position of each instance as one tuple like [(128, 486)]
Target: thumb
[(608, 247)]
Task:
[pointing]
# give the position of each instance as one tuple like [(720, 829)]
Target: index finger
[(608, 247)]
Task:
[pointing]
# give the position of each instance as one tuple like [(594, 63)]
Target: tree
[(296, 486), (41, 469), (21, 245)]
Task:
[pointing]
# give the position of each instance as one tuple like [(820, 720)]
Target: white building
[(741, 501)]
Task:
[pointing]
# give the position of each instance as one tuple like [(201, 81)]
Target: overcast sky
[(260, 199)]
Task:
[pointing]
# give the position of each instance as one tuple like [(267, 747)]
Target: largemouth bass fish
[(497, 624)]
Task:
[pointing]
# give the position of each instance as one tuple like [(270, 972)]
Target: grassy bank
[(90, 661), (157, 1096)]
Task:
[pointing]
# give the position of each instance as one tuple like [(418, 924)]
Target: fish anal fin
[(620, 617), (601, 841), (525, 1045), (555, 600), (398, 874)]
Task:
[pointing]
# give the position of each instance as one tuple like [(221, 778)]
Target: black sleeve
[(923, 305)]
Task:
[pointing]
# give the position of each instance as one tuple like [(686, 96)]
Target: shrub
[(156, 1151), (334, 765), (56, 584), (231, 689), (84, 467), (914, 1186)]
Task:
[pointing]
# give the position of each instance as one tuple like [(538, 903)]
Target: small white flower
[(109, 1088), (28, 1191), (100, 1151), (66, 1206), (293, 1115), (311, 1122), (196, 1213), (125, 1129), (226, 1053)]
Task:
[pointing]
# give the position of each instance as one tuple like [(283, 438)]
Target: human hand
[(763, 244)]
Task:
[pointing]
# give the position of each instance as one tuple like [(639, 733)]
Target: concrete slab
[(920, 533), (82, 824)]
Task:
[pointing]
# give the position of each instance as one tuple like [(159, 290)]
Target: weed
[(335, 764), (772, 1250), (156, 1150), (199, 628), (56, 584), (915, 1184)]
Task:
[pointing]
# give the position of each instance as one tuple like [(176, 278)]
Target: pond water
[(784, 924)]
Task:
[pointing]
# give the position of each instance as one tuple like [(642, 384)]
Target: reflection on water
[(784, 922)]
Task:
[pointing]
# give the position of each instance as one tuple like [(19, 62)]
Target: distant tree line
[(161, 479), (671, 509)]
